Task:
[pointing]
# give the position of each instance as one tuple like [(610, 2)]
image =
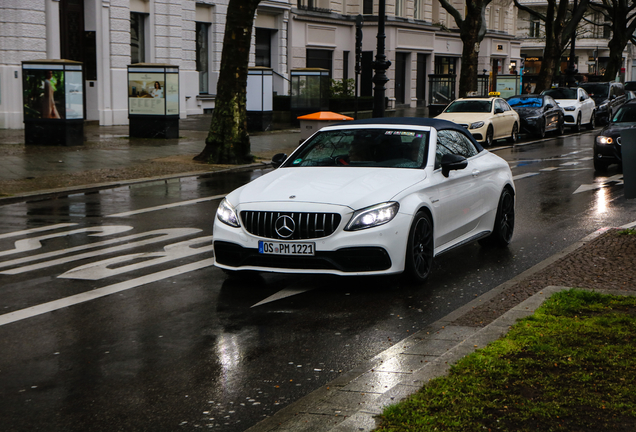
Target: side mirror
[(549, 106), (582, 98), (453, 162), (278, 159), (499, 111)]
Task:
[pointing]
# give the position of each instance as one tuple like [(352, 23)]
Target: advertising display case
[(260, 98), (153, 100), (53, 102)]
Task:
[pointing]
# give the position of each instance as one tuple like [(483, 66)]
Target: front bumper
[(378, 250), (609, 153)]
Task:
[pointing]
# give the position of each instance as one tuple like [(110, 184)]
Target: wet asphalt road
[(102, 334)]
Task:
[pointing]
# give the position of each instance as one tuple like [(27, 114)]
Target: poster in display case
[(153, 100)]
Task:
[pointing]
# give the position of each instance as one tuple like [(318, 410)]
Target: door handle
[(476, 173)]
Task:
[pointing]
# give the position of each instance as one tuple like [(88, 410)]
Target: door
[(400, 77)]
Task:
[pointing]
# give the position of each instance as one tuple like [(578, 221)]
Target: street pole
[(359, 21), (381, 64)]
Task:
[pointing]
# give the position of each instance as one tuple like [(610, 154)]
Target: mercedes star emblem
[(285, 226)]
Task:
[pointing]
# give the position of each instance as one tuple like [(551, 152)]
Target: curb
[(63, 192)]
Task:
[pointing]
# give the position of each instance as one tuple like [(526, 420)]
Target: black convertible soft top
[(438, 124)]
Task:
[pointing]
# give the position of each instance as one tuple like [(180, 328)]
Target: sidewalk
[(109, 156)]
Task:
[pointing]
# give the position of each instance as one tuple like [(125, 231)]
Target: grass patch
[(569, 367), (627, 231)]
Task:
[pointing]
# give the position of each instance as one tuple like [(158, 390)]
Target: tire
[(541, 130), (514, 136), (561, 127), (577, 126), (504, 226), (420, 248), (489, 137), (592, 124)]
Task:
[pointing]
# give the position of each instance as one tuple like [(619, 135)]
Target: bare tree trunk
[(470, 57), (228, 141)]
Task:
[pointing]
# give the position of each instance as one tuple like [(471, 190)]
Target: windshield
[(596, 90), (526, 102), (470, 106), (561, 93), (387, 148), (625, 114)]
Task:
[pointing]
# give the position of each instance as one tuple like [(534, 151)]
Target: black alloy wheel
[(504, 221), (489, 137), (561, 126), (514, 136), (420, 248), (541, 129), (577, 126), (592, 124)]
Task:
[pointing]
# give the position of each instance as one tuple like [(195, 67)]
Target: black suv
[(607, 145), (608, 96)]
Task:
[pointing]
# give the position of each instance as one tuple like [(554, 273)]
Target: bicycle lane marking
[(62, 303)]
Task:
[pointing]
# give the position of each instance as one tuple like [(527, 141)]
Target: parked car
[(486, 118), (629, 95), (368, 197), (538, 114), (630, 85), (608, 97), (578, 106), (607, 145)]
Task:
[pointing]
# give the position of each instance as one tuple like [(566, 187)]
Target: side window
[(452, 142)]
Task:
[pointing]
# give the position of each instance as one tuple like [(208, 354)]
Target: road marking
[(160, 235), (617, 179), (287, 292), (522, 176), (100, 269), (35, 230), (167, 206), (101, 292), (34, 243)]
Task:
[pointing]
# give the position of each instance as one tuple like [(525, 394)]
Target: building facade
[(109, 35), (591, 46)]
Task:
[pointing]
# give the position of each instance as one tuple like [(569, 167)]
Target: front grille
[(306, 225)]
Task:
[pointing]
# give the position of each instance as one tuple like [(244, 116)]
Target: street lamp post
[(381, 64)]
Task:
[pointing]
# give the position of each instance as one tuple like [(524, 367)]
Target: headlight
[(476, 125), (227, 214), (570, 108), (373, 216), (604, 140)]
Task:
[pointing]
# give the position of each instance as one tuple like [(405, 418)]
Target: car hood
[(345, 186), (615, 129), (528, 111), (567, 102), (459, 117)]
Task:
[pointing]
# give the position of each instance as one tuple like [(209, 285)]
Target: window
[(453, 142), (345, 65), (137, 37), (418, 10), (444, 65), (367, 7), (399, 8), (535, 27), (203, 60), (263, 47), (317, 58)]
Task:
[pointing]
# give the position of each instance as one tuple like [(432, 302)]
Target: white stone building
[(109, 35)]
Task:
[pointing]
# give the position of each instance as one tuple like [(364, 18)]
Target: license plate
[(280, 248)]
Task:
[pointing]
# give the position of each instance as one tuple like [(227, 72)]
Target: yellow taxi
[(486, 118)]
